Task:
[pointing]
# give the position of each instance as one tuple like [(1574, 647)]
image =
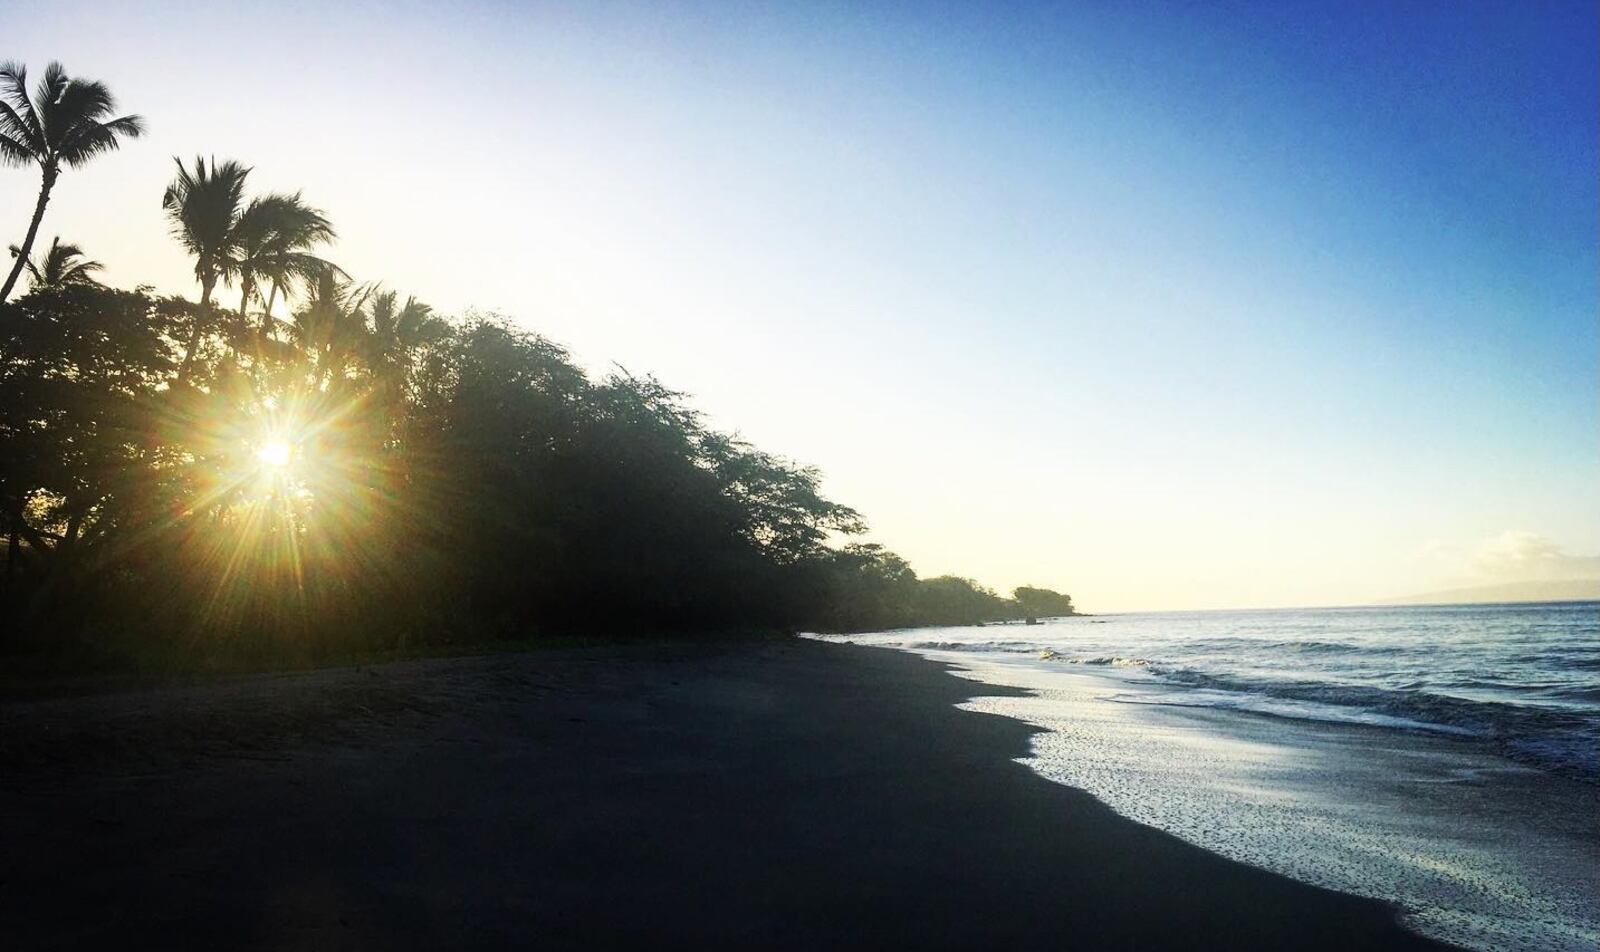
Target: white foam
[(1280, 707), (1478, 850)]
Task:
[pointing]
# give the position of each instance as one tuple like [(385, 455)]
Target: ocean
[(1444, 758)]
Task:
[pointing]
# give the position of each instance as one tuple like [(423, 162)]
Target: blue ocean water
[(1523, 678), (1445, 759)]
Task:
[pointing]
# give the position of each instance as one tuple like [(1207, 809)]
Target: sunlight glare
[(273, 453)]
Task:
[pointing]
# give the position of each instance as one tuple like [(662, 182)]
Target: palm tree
[(331, 329), (61, 267), (273, 239), (204, 206), (289, 261), (63, 124), (396, 332)]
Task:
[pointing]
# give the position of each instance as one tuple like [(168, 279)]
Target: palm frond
[(13, 152), (46, 95), (83, 99), (204, 205), (303, 266), (14, 92), (90, 138), (383, 312), (27, 264), (259, 221), (79, 272), (418, 325), (13, 80), (65, 249), (60, 266), (358, 298), (296, 224), (13, 126), (272, 238)]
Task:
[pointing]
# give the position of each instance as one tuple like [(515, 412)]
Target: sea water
[(1443, 758)]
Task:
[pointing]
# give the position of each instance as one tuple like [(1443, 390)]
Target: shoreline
[(793, 794), (1477, 849)]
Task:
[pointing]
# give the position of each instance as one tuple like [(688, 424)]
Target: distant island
[(1567, 590)]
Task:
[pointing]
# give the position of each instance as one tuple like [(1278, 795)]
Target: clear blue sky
[(1166, 304)]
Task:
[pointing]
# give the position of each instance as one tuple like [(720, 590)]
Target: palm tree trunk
[(48, 182), (272, 297), (206, 284), (247, 290)]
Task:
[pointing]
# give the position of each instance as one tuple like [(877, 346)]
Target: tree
[(952, 600), (204, 206), (330, 330), (272, 243), (63, 125), (368, 471), (79, 366), (865, 587), (1042, 602), (61, 267), (397, 331), (784, 512)]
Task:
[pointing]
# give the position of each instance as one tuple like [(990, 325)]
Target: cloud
[(1435, 550), (1517, 555)]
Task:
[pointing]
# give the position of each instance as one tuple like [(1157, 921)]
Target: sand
[(782, 794)]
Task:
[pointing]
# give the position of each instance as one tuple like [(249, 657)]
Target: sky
[(1165, 305)]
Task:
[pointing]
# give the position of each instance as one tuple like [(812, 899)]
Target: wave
[(1108, 661), (1559, 739), (1277, 707), (1554, 737), (1003, 647), (1043, 651), (1511, 677)]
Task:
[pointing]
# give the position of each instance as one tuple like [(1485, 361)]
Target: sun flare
[(273, 453)]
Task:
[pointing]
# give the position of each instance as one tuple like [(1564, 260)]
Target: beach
[(783, 793), (1441, 758)]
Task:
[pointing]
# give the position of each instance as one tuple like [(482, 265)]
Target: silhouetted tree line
[(328, 466)]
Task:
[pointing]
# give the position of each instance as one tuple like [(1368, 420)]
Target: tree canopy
[(1041, 602), (365, 473)]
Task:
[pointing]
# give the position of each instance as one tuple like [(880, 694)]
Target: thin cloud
[(1518, 555)]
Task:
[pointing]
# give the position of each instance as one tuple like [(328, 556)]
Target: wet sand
[(785, 794)]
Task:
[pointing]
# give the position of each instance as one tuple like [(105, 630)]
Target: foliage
[(271, 242), (64, 121), (368, 475), (865, 587), (63, 124), (62, 264), (1041, 602)]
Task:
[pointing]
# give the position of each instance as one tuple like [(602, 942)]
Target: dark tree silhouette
[(272, 242), (369, 474), (63, 264), (204, 205), (62, 125), (1041, 602)]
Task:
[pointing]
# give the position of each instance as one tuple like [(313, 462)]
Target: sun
[(273, 453)]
